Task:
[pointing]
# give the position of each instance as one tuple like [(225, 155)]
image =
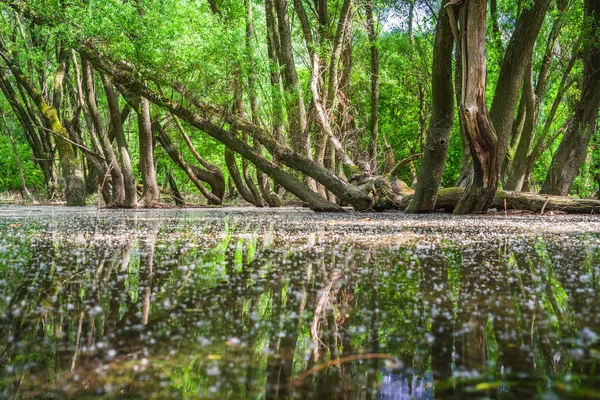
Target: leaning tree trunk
[(512, 71), (469, 31), (150, 192), (442, 116), (572, 150)]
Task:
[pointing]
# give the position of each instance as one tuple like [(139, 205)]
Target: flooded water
[(289, 304)]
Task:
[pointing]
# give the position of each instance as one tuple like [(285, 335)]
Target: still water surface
[(242, 303)]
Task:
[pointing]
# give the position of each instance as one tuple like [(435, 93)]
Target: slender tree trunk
[(571, 152), (236, 177), (274, 74), (514, 171), (175, 193), (213, 176), (194, 174), (238, 109), (442, 117), (150, 194), (294, 100), (42, 157), (512, 71), (130, 199), (261, 179), (478, 127), (517, 167), (97, 167), (24, 191), (71, 170), (374, 121), (89, 90)]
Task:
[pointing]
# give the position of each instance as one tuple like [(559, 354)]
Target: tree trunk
[(195, 174), (236, 177), (442, 117), (294, 101), (517, 167), (474, 115), (449, 198), (512, 70), (175, 194), (130, 199), (24, 191), (41, 155), (514, 173), (572, 150), (150, 194), (261, 179), (71, 170), (374, 121), (89, 90)]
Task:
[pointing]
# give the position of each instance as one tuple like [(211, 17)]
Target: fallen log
[(537, 203)]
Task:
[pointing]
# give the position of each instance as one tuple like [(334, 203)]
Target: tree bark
[(449, 198), (374, 121), (512, 70), (236, 177), (442, 117), (517, 167), (150, 194), (130, 199), (474, 115), (24, 191), (294, 101), (195, 174), (571, 152), (89, 90)]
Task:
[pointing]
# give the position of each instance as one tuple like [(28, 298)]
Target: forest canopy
[(415, 105)]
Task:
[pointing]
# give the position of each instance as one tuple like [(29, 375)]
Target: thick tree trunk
[(449, 198), (474, 115), (572, 150), (150, 194), (442, 117)]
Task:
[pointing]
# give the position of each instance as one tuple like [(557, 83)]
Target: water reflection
[(293, 306)]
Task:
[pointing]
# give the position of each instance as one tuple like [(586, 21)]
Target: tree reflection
[(238, 311)]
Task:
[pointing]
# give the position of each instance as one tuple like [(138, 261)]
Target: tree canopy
[(375, 104)]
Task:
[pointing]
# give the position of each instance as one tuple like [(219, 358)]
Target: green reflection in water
[(291, 304)]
